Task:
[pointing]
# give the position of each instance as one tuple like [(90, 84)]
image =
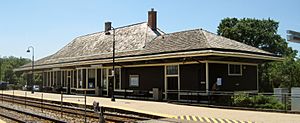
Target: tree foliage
[(263, 34), (8, 64), (258, 33)]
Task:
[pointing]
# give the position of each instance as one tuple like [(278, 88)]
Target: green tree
[(8, 64), (263, 34)]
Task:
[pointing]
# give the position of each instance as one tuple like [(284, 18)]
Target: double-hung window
[(234, 69)]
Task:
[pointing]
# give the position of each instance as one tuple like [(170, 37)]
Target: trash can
[(157, 94)]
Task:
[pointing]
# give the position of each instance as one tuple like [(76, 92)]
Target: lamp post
[(32, 67), (108, 27)]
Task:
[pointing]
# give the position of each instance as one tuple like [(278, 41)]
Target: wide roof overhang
[(257, 57)]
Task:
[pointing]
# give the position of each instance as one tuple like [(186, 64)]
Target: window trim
[(134, 75), (172, 75), (234, 74)]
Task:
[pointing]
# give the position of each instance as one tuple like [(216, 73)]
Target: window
[(172, 70), (110, 72), (234, 69), (79, 80), (134, 80), (91, 78)]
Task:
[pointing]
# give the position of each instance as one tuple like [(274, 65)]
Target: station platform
[(174, 111), (2, 121)]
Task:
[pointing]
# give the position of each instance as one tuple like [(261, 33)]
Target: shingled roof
[(140, 40), (128, 38), (198, 39)]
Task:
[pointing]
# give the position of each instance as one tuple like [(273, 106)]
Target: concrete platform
[(1, 121), (173, 111), (170, 120)]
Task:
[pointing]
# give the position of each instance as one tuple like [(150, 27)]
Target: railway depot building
[(148, 59)]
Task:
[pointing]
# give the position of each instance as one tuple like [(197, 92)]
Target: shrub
[(242, 100), (257, 101)]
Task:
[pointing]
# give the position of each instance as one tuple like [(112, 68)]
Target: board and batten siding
[(192, 77), (149, 77), (244, 82)]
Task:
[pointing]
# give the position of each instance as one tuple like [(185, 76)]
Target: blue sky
[(48, 25)]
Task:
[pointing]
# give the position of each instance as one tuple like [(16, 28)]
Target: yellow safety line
[(221, 120), (201, 119), (182, 117), (207, 119), (228, 121), (235, 121), (194, 118), (214, 120)]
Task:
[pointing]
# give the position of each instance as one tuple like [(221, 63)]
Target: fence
[(250, 100)]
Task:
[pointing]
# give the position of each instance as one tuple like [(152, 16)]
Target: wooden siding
[(149, 77), (247, 81), (191, 76)]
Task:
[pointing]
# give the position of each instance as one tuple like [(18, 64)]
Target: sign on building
[(293, 36)]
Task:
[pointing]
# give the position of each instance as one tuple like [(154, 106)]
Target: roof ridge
[(181, 31), (206, 40), (134, 24)]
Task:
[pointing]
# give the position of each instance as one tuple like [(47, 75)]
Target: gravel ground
[(66, 116), (53, 114), (6, 120), (23, 117)]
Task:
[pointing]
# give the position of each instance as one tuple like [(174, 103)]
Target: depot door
[(172, 84)]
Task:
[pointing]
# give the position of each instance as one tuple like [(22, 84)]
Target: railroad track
[(24, 117), (110, 116)]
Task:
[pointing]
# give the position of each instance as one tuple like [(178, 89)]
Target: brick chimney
[(152, 19)]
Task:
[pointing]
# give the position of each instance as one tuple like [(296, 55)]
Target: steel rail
[(34, 115), (55, 107)]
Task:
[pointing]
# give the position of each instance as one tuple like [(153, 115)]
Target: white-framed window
[(234, 69), (110, 72), (172, 69), (134, 80)]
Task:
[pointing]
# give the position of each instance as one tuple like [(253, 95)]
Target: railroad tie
[(209, 119)]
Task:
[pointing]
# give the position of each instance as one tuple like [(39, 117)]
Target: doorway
[(172, 87), (172, 83), (69, 80)]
